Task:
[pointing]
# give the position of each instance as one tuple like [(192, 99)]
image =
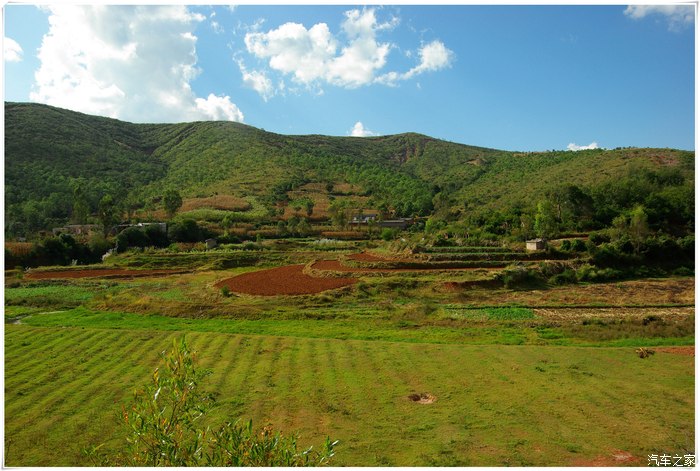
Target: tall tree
[(545, 220), (172, 202), (108, 213), (638, 227)]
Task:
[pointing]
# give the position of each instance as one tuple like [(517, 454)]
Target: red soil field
[(366, 257), (690, 351), (99, 273), (286, 281), (335, 265)]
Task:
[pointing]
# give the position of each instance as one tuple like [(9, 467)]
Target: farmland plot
[(493, 405)]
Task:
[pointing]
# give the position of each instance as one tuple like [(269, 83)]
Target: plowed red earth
[(366, 257), (99, 273), (690, 351), (335, 265), (289, 280)]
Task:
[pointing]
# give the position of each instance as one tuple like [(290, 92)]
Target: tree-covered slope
[(52, 155)]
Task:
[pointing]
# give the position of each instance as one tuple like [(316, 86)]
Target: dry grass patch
[(223, 202)]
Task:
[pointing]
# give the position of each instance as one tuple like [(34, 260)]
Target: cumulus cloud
[(359, 130), (258, 81), (678, 16), (574, 147), (433, 56), (128, 62), (353, 58), (12, 51), (219, 108)]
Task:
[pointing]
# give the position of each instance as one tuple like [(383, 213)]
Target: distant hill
[(49, 152)]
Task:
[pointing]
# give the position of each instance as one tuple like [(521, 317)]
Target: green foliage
[(186, 230), (172, 202), (164, 427), (388, 234), (545, 222), (60, 164), (108, 213)]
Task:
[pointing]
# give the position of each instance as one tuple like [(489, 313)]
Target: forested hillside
[(60, 164)]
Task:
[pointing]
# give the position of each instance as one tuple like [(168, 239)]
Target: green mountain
[(55, 156)]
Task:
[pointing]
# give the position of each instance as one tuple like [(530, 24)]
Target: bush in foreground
[(163, 427)]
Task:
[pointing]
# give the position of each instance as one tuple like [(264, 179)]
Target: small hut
[(536, 244)]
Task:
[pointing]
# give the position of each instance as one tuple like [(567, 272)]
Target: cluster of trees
[(661, 200), (61, 250), (82, 205)]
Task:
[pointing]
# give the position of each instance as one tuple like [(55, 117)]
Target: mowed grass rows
[(496, 405)]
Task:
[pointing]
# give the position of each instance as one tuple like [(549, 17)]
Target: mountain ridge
[(50, 151)]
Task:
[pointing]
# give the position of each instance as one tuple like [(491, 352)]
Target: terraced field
[(494, 405)]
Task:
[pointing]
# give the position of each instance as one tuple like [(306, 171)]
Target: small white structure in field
[(536, 244), (211, 243)]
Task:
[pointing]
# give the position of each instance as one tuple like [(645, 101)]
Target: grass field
[(520, 377), (496, 405)]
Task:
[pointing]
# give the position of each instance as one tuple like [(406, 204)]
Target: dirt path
[(287, 280)]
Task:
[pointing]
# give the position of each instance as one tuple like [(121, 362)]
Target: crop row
[(64, 387)]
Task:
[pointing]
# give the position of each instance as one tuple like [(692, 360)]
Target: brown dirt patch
[(422, 398), (365, 257), (616, 458), (689, 351), (285, 281), (336, 266), (98, 273)]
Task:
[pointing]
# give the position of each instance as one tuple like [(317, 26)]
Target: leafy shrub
[(566, 277), (187, 230), (388, 234), (519, 277), (598, 238), (163, 427)]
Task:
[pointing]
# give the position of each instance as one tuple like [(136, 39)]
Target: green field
[(521, 377), (496, 405)]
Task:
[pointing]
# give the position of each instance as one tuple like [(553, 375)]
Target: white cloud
[(292, 49), (433, 56), (313, 57), (11, 50), (128, 62), (678, 16), (258, 81), (574, 147), (219, 108), (358, 130)]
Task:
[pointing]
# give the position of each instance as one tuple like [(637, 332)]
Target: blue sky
[(507, 77)]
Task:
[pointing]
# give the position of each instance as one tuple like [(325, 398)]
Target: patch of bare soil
[(422, 398), (616, 458), (689, 351), (365, 257), (287, 280), (98, 273), (335, 265)]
